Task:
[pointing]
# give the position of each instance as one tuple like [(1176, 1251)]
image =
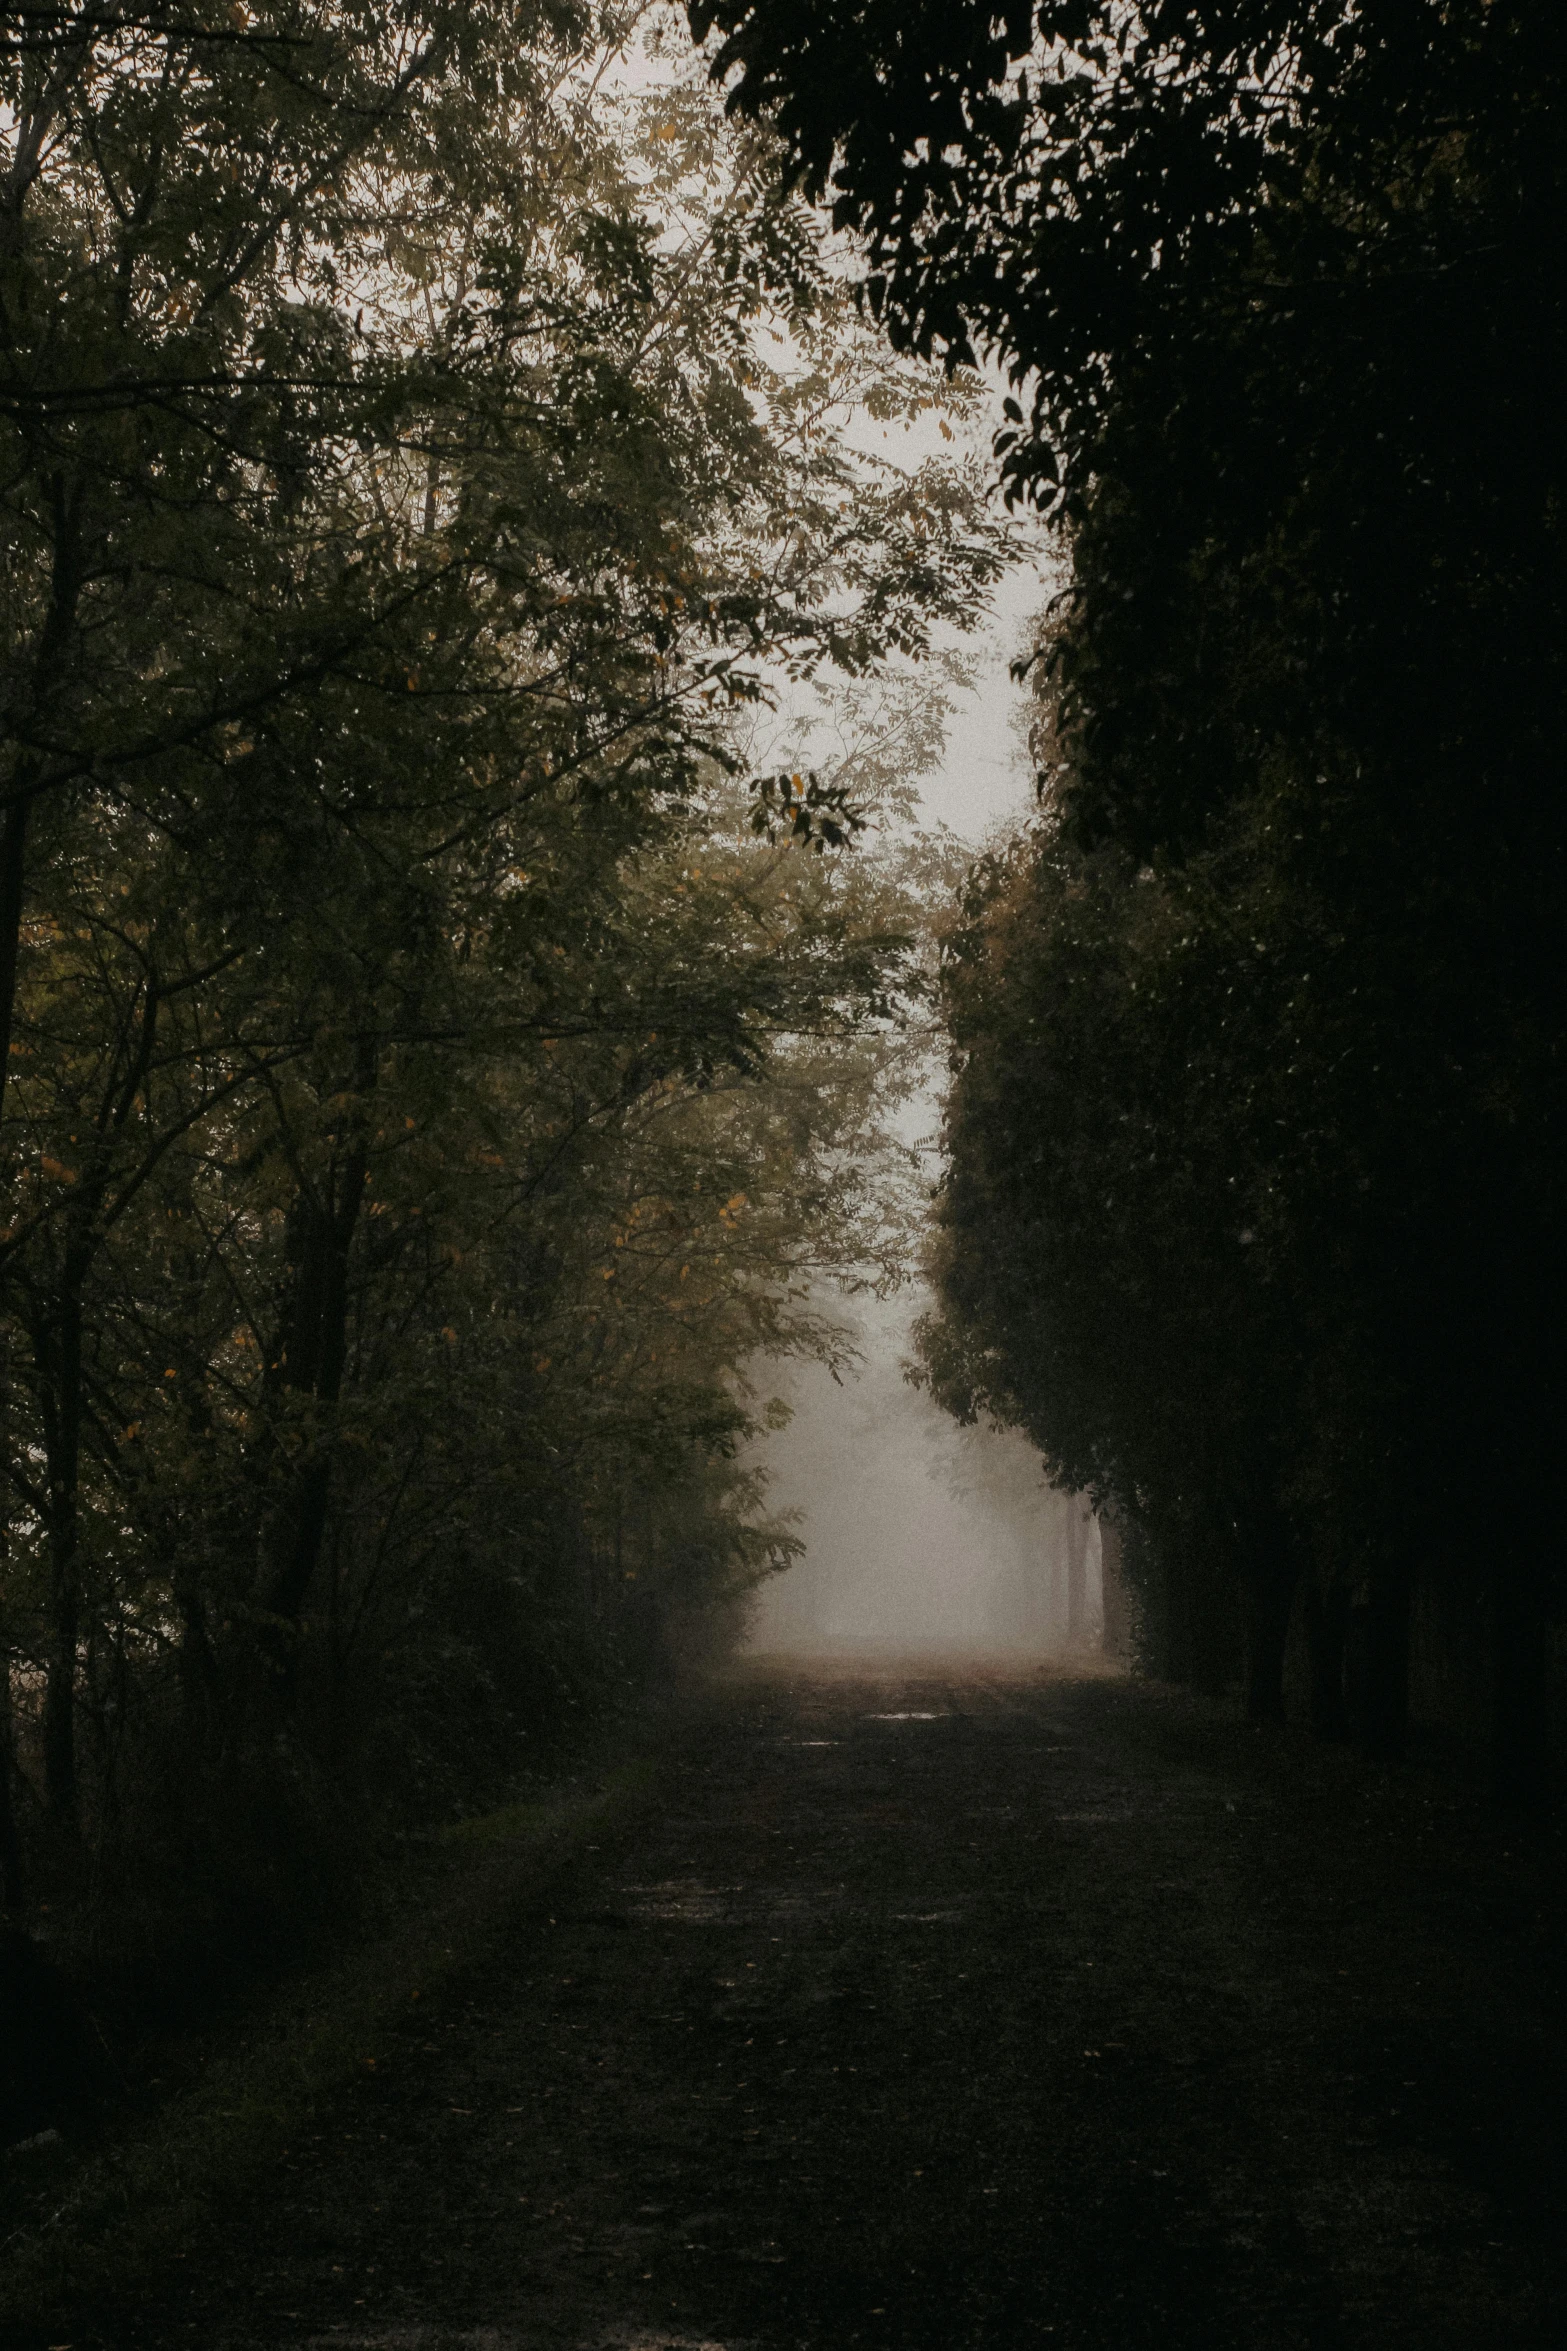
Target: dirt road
[(956, 2011)]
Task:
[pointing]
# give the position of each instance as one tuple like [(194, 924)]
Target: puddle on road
[(907, 1718)]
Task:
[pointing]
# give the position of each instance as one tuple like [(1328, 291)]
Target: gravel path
[(950, 2009)]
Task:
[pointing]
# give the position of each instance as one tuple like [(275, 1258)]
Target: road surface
[(955, 2009)]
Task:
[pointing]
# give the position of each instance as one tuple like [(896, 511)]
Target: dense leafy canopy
[(1278, 278), (1254, 1214), (438, 1062)]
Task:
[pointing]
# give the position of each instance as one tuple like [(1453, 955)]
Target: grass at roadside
[(83, 2224)]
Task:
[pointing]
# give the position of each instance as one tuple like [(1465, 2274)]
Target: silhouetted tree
[(1275, 281)]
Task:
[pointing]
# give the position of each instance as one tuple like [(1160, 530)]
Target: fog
[(918, 1534)]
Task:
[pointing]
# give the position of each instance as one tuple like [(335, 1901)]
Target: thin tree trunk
[(49, 682), (1076, 1571), (11, 1874), (13, 877), (13, 882), (311, 1361), (336, 1653), (1165, 1648), (620, 1546), (62, 1432), (1117, 1636), (198, 1668), (48, 672)]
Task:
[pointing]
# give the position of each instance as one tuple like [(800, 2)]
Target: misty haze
[(783, 1115), (920, 1535)]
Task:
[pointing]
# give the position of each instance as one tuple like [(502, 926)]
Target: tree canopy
[(1254, 1208), (442, 1048)]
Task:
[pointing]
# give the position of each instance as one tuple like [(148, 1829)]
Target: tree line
[(438, 1054), (1254, 1213)]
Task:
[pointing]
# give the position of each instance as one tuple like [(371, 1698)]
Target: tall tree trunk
[(1117, 1636), (311, 1361), (11, 1888), (11, 1875), (198, 1668), (49, 681), (13, 877), (1199, 1570), (13, 883), (1076, 1571), (62, 1446)]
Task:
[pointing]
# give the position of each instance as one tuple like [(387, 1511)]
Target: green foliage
[(1275, 284), (435, 1072)]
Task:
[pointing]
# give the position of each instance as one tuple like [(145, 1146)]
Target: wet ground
[(955, 2011)]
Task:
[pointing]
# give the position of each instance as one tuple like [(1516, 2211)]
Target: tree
[(328, 338), (432, 1078), (1095, 1262), (1268, 281)]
